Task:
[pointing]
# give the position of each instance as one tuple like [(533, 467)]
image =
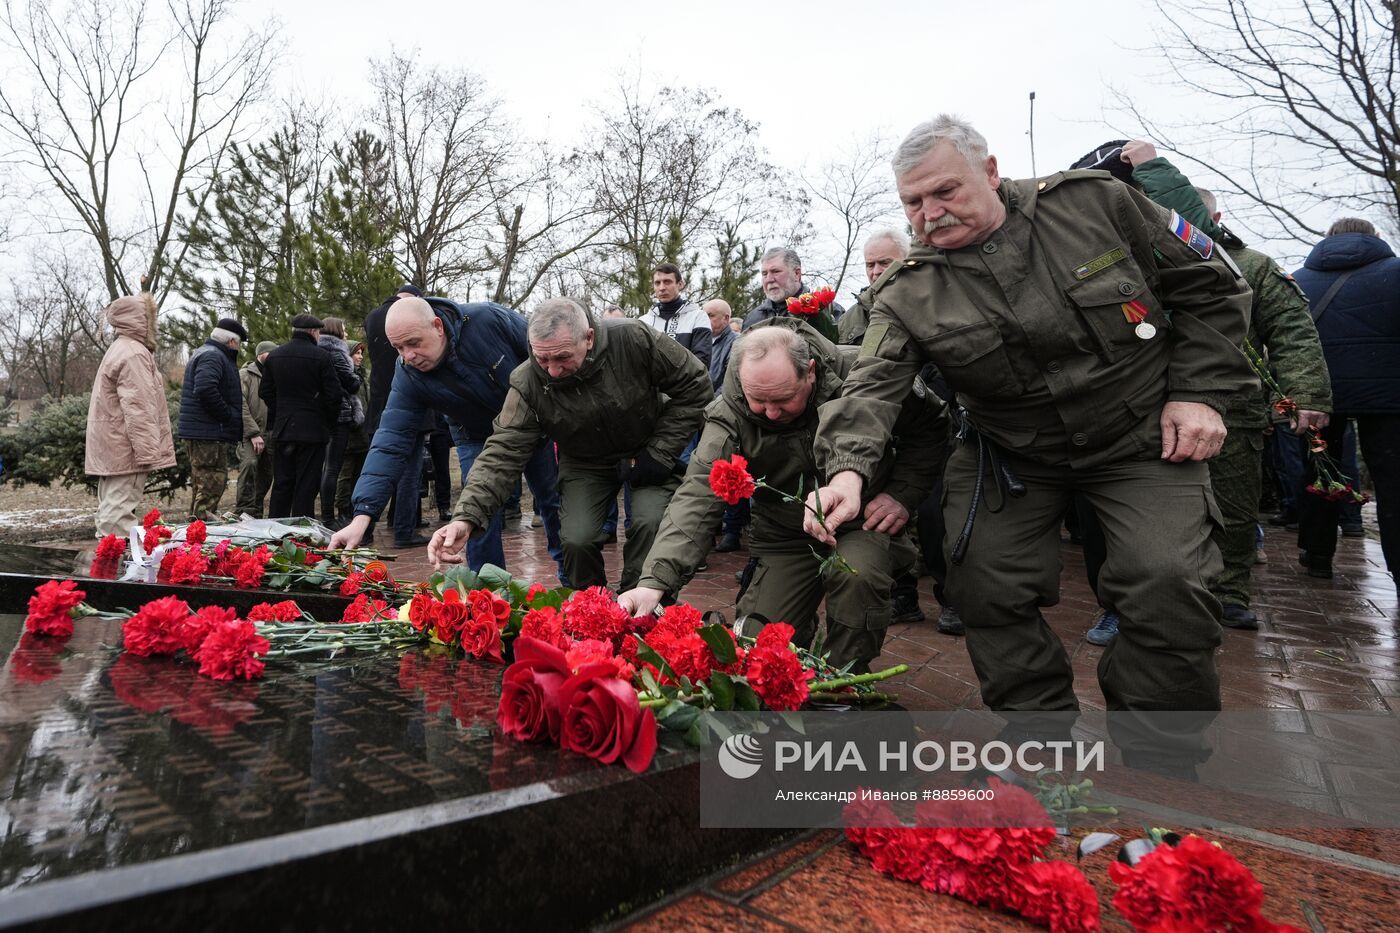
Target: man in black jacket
[(211, 414), (303, 397)]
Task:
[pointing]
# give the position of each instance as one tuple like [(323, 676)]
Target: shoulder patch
[(1288, 277), (873, 336), (1199, 243)]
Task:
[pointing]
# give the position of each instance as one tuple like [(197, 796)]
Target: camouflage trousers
[(208, 476), (787, 588), (1236, 480)]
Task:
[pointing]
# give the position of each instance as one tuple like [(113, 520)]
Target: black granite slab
[(361, 793)]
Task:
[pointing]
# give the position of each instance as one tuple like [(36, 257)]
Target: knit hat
[(1108, 157), (233, 326), (407, 289), (267, 346), (307, 322)]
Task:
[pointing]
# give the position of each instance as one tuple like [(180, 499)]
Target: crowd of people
[(1086, 347)]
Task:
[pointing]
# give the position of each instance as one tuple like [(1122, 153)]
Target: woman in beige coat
[(128, 428)]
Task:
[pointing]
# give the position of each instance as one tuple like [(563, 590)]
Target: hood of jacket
[(134, 316), (1347, 251)]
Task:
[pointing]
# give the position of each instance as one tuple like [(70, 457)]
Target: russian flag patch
[(1200, 244)]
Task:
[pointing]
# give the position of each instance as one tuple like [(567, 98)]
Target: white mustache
[(947, 220)]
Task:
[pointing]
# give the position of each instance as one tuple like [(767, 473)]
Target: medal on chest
[(1135, 313)]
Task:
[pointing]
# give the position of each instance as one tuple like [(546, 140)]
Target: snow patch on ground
[(40, 518)]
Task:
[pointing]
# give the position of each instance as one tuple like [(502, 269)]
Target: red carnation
[(592, 651), (897, 851), (592, 613), (545, 624), (1195, 884), (730, 479), (194, 629), (197, 532), (189, 567), (151, 520), (156, 628), (364, 609), (529, 706), (774, 670), (377, 572), (111, 548), (535, 590), (1055, 894), (285, 611), (36, 659), (353, 581), (51, 608), (603, 719), (231, 650)]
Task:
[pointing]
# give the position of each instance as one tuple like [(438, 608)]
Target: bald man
[(457, 359), (722, 337)]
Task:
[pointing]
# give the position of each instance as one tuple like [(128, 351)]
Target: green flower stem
[(853, 697), (855, 680)]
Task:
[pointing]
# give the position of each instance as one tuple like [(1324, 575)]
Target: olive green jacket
[(782, 455), (636, 390), (1280, 327), (254, 408), (1034, 331), (851, 327)]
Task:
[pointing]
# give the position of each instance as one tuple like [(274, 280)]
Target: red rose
[(1055, 894), (487, 605), (449, 616), (529, 707), (545, 624), (420, 611), (352, 583), (481, 638), (730, 480), (231, 650), (156, 628), (197, 532), (592, 613), (51, 608), (603, 719), (111, 548)]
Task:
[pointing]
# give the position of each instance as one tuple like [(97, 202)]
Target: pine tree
[(734, 278)]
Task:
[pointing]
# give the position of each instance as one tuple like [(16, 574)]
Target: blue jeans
[(542, 476)]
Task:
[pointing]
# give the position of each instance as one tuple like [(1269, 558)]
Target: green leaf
[(686, 685), (722, 688), (650, 683), (677, 716), (745, 698), (648, 654), (717, 637), (288, 549), (794, 721), (695, 735), (492, 578)]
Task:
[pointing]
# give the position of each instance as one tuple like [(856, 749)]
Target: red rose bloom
[(51, 608), (603, 719), (231, 650), (481, 638), (197, 532), (730, 479), (285, 611), (111, 548), (529, 706), (156, 628), (420, 611), (352, 584), (545, 624), (449, 616), (582, 653), (196, 627), (592, 613), (486, 605), (1055, 894)]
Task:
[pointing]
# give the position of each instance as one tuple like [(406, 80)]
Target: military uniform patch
[(1117, 254), (1200, 244)]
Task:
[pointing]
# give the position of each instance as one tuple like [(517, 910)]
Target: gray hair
[(1352, 225), (219, 335), (1208, 199), (758, 343), (899, 238), (790, 257), (555, 313), (945, 127), (334, 326)]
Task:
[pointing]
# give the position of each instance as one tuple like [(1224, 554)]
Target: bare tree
[(1309, 90), (857, 188), (91, 126), (51, 338), (449, 153)]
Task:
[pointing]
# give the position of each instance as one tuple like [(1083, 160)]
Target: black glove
[(643, 471)]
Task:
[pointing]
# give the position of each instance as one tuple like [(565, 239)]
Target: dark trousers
[(404, 517), (330, 472), (296, 473), (440, 452), (930, 528), (1379, 438)]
